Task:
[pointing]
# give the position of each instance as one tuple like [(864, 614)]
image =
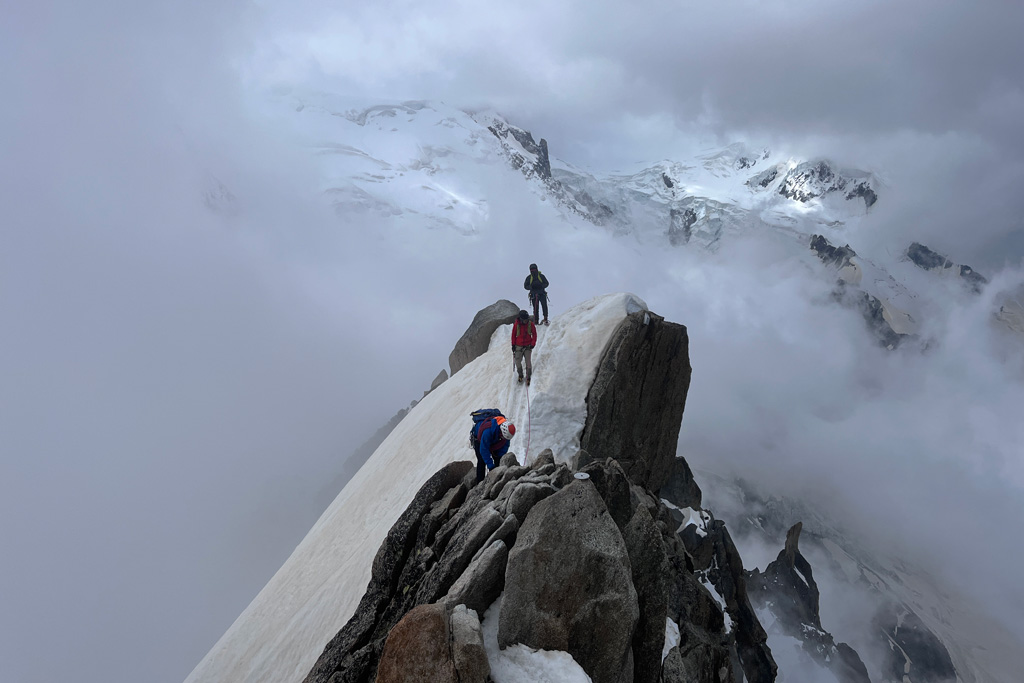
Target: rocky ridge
[(587, 562), (787, 589), (588, 559), (926, 259), (887, 323), (813, 179), (895, 631), (609, 557)]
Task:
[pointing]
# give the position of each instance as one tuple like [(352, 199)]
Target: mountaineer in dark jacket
[(537, 285)]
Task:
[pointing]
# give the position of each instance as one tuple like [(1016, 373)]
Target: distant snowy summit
[(813, 179), (426, 165), (435, 164), (730, 190)]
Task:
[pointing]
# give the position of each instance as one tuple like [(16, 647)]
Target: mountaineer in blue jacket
[(489, 438)]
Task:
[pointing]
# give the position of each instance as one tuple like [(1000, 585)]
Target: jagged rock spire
[(787, 588), (635, 406)]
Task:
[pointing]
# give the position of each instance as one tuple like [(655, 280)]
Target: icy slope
[(723, 192), (420, 162), (282, 632), (414, 160)]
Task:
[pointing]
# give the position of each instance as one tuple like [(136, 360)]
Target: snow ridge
[(318, 588)]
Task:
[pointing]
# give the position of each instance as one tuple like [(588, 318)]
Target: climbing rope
[(526, 456)]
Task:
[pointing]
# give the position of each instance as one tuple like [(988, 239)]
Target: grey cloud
[(821, 67), (176, 379), (929, 94)]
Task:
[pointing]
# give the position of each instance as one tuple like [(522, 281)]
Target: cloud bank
[(193, 339)]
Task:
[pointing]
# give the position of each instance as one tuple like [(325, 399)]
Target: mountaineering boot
[(545, 321), (528, 381), (520, 380)]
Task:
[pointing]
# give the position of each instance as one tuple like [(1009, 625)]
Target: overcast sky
[(178, 385)]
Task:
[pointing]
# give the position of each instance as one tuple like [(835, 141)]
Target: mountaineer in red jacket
[(524, 338)]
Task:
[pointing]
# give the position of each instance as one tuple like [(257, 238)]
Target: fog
[(193, 339)]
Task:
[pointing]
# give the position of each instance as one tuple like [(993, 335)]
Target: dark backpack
[(479, 416)]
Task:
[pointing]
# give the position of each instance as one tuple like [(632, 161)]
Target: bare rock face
[(434, 645), (535, 162), (911, 649), (525, 496), (467, 645), (611, 482), (751, 641), (680, 225), (580, 460), (829, 254), (459, 552), (788, 589), (595, 568), (681, 488), (635, 406), (546, 457), (477, 336), (791, 580), (441, 378), (650, 569), (510, 459), (569, 585), (483, 580), (696, 660), (923, 257), (417, 651)]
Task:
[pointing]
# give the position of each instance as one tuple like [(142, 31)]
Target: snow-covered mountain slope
[(395, 160), (279, 636), (722, 192), (412, 163), (419, 164), (438, 163), (425, 164)]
